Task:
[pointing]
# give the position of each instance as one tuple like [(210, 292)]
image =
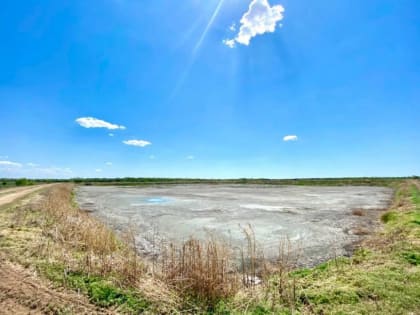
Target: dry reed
[(103, 252), (202, 269)]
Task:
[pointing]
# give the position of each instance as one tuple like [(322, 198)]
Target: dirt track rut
[(9, 195)]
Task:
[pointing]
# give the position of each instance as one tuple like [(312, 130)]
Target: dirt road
[(23, 292), (9, 195)]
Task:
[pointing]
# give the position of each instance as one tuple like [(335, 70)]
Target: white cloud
[(233, 27), (290, 138), (31, 164), (98, 170), (10, 164), (152, 157), (229, 42), (90, 122), (137, 143), (190, 157), (108, 163), (110, 134), (259, 19)]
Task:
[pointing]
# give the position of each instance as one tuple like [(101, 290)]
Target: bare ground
[(23, 292), (10, 195)]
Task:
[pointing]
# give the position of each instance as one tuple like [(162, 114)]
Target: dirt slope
[(23, 292)]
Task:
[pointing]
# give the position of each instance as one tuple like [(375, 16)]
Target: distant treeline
[(5, 182), (132, 181)]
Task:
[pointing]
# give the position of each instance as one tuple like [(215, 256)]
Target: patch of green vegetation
[(100, 291), (23, 182), (389, 216), (301, 273), (339, 296), (412, 257), (415, 195)]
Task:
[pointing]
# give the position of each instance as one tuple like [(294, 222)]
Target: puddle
[(151, 201)]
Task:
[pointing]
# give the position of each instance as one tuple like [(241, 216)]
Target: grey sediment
[(318, 221)]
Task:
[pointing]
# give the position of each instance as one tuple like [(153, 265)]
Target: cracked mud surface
[(319, 221)]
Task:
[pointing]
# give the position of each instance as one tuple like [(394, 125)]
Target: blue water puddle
[(157, 200), (151, 201)]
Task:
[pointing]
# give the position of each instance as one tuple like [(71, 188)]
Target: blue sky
[(211, 88)]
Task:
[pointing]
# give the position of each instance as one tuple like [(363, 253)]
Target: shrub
[(200, 269), (23, 182), (389, 216)]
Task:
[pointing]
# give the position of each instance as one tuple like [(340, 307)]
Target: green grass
[(100, 291)]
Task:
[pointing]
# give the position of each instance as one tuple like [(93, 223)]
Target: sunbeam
[(187, 69), (209, 24)]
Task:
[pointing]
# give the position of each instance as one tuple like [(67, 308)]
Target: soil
[(10, 195)]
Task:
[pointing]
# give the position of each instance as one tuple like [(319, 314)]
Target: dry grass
[(102, 252), (201, 269)]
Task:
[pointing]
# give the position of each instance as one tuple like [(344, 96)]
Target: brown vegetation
[(358, 212), (103, 253)]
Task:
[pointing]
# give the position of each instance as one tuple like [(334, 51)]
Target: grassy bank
[(72, 249)]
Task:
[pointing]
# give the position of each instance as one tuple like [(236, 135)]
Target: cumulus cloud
[(90, 122), (290, 138), (137, 143), (259, 19), (110, 134), (10, 164), (108, 163)]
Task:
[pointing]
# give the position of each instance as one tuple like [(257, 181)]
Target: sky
[(209, 88)]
